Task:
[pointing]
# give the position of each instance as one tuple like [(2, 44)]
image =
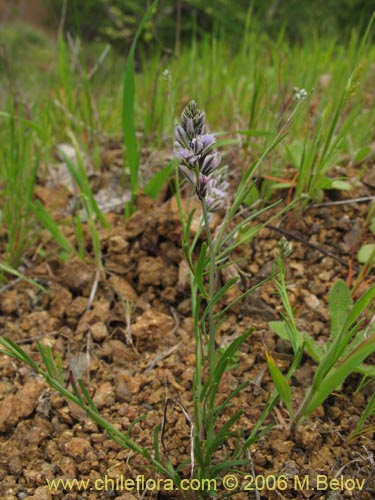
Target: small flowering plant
[(199, 160), (200, 164), (212, 429)]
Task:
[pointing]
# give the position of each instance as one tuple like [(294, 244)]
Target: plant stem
[(211, 328)]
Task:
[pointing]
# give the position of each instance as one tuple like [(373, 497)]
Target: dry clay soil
[(132, 343)]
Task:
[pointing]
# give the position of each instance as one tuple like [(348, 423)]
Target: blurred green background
[(178, 21), (116, 20)]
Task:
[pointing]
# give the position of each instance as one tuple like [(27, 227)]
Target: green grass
[(54, 91), (59, 91), (86, 96)]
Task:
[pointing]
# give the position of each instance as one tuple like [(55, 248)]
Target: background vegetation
[(181, 20)]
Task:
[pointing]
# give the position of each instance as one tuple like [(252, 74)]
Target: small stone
[(61, 299), (77, 307), (20, 405), (183, 276), (104, 395), (39, 321), (67, 466), (123, 288), (41, 493), (298, 267), (309, 436), (311, 301), (151, 271), (9, 301), (325, 276), (76, 276), (152, 324), (99, 331), (78, 449), (184, 307), (117, 244)]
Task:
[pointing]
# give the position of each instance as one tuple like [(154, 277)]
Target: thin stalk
[(197, 382), (211, 326)]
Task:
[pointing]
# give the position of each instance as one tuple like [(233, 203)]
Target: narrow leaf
[(340, 303), (281, 384), (337, 376), (155, 185)]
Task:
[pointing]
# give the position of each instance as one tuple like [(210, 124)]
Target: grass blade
[(281, 384), (128, 120)]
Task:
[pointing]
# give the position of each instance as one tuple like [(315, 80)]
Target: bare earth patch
[(134, 346)]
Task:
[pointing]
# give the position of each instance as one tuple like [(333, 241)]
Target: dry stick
[(43, 335), (93, 289), (311, 245), (168, 402), (250, 458), (10, 285), (161, 356), (101, 59), (362, 199)]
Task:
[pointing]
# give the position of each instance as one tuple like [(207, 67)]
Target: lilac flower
[(217, 191), (199, 161)]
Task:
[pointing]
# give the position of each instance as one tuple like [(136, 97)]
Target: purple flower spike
[(199, 161), (181, 136)]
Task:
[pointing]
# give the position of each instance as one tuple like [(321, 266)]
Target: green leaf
[(315, 350), (128, 121), (88, 398), (366, 253), (15, 351), (281, 384), (328, 183), (39, 130), (289, 333), (226, 403), (156, 444), (223, 290), (228, 465), (362, 154), (359, 306), (279, 328), (337, 375), (252, 195), (9, 269), (199, 269), (341, 185), (223, 434), (369, 410), (225, 359), (233, 362), (229, 353), (341, 341), (155, 185), (340, 303), (79, 174)]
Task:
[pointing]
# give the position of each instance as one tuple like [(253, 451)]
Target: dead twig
[(93, 289), (169, 401), (160, 356), (362, 199)]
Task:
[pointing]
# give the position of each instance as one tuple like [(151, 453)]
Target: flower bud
[(181, 136), (211, 162)]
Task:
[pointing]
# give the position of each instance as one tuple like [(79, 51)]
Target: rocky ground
[(133, 342)]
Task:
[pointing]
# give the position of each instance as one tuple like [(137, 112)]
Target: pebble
[(104, 395), (99, 331), (78, 449), (117, 244)]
